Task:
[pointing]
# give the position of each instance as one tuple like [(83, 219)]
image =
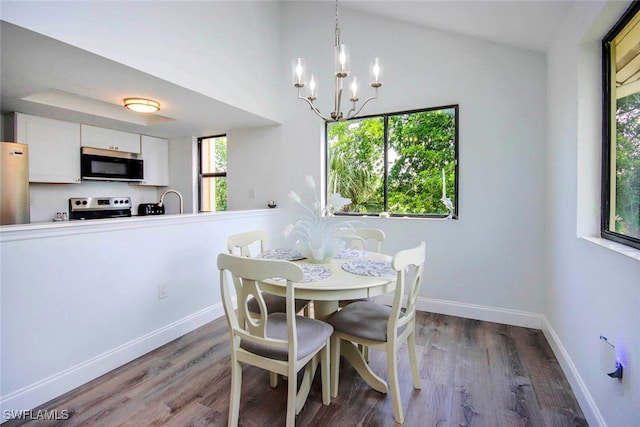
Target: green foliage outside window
[(213, 174), (221, 182), (627, 197), (419, 147)]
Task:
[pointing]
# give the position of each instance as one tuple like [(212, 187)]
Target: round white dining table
[(341, 285)]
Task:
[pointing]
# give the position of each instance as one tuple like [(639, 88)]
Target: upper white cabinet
[(155, 155), (109, 139), (54, 148)]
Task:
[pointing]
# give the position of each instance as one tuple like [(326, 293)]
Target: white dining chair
[(382, 327), (251, 244), (360, 238), (242, 244), (245, 244), (284, 343)]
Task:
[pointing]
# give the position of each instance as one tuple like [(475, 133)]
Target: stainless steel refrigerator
[(14, 183)]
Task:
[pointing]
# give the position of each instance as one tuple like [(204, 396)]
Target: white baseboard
[(36, 394), (580, 390), (472, 311)]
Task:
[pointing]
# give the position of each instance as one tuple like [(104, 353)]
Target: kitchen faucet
[(171, 191)]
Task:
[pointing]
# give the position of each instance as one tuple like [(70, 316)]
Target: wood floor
[(473, 373)]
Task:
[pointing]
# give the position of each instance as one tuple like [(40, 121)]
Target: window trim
[(202, 175), (607, 140), (385, 116)]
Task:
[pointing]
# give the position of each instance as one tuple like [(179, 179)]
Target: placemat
[(369, 268), (351, 253), (281, 253), (314, 272)]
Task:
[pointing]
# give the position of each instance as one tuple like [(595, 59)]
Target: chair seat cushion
[(275, 304), (312, 334), (346, 302), (362, 319)]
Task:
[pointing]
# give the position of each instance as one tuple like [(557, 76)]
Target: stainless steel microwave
[(109, 165)]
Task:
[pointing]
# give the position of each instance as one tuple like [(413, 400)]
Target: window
[(403, 163), (212, 152), (621, 131)]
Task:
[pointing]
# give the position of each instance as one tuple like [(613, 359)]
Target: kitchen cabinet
[(155, 154), (54, 148), (109, 139)]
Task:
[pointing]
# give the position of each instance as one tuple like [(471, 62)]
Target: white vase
[(320, 248)]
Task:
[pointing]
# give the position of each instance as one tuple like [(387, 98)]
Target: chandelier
[(342, 64)]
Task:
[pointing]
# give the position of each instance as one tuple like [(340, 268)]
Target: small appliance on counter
[(158, 208), (145, 209), (99, 207)]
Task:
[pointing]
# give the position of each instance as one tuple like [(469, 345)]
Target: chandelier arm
[(350, 116), (313, 107), (350, 113)]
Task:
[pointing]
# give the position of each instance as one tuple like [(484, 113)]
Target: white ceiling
[(526, 24), (65, 90), (88, 88)]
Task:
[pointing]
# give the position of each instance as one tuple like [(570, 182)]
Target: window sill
[(615, 247)]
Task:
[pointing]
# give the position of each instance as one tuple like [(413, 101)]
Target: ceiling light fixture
[(342, 63), (141, 105)]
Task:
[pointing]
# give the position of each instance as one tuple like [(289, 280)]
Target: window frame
[(202, 175), (607, 123), (385, 116)]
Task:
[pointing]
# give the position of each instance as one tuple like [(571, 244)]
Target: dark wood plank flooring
[(474, 373)]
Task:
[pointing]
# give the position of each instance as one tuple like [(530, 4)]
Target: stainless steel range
[(99, 207)]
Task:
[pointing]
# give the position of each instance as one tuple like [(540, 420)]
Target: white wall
[(494, 255), (183, 173), (79, 300), (591, 291)]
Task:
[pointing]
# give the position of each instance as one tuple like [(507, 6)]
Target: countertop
[(58, 228)]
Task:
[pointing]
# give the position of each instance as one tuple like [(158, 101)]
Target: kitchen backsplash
[(48, 199)]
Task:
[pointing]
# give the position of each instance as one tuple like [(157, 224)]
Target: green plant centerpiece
[(314, 232)]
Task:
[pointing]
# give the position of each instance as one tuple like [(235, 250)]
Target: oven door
[(106, 165)]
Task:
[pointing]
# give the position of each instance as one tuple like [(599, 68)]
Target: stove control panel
[(99, 203)]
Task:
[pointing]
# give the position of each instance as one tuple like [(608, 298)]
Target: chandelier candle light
[(342, 69)]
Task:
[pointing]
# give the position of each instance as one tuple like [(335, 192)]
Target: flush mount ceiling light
[(342, 61), (142, 105)]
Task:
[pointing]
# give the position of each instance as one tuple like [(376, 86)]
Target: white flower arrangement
[(316, 235)]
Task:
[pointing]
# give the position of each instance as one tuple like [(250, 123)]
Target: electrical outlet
[(163, 291)]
